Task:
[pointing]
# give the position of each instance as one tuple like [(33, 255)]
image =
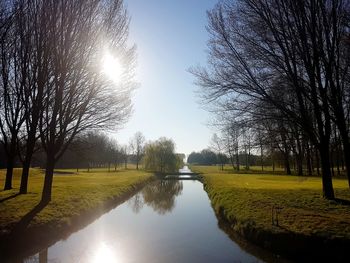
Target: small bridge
[(184, 174)]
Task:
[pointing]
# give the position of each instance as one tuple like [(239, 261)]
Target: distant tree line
[(98, 150), (91, 150), (94, 150), (278, 82), (52, 88), (209, 157), (205, 157)]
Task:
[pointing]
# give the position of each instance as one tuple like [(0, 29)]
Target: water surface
[(185, 169), (168, 221)]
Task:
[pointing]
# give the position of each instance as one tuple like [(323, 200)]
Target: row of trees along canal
[(52, 87), (92, 150), (277, 79), (98, 150)]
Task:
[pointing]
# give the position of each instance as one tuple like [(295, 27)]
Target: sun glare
[(111, 67), (105, 254)]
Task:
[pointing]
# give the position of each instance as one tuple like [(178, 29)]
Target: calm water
[(185, 169), (168, 221)]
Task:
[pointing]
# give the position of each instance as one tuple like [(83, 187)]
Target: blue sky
[(170, 37)]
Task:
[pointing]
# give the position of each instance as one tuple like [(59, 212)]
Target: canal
[(167, 221)]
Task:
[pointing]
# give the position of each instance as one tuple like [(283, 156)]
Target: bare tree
[(137, 144), (124, 155), (279, 55), (35, 17), (230, 138), (80, 96), (14, 59), (217, 145)]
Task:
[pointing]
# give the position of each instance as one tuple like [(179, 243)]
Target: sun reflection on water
[(105, 254)]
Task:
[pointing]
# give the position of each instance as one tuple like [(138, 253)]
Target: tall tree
[(217, 144), (137, 144), (14, 78), (31, 17), (81, 96), (279, 55)]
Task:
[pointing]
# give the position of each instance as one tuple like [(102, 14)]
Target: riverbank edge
[(292, 246), (13, 246)]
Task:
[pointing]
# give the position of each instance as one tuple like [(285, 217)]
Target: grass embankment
[(76, 196), (245, 202)]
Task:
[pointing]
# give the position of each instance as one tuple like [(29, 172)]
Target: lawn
[(74, 193), (247, 199)]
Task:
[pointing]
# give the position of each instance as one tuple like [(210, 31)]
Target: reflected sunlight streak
[(112, 67), (105, 254)]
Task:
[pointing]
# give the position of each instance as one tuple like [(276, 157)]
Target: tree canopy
[(281, 67), (160, 156)]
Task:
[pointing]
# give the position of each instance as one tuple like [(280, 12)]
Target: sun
[(112, 67)]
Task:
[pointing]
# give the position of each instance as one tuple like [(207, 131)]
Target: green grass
[(247, 200), (72, 194), (256, 169)]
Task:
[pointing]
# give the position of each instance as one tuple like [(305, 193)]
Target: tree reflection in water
[(136, 203), (160, 195), (41, 257)]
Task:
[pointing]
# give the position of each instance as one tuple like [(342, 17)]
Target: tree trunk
[(285, 153), (327, 183), (344, 135), (10, 164), (24, 178), (47, 189), (299, 161), (286, 161), (261, 157), (338, 164), (273, 159), (231, 155), (318, 164), (43, 256), (299, 156), (287, 164), (346, 150), (308, 160), (332, 163), (232, 161), (31, 139), (9, 173), (248, 156)]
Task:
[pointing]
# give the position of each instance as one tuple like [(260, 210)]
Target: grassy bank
[(245, 201), (76, 197)]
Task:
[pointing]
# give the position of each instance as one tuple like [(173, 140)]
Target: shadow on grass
[(26, 219), (9, 197), (342, 201)]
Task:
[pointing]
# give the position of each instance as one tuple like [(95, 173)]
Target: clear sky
[(171, 37)]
